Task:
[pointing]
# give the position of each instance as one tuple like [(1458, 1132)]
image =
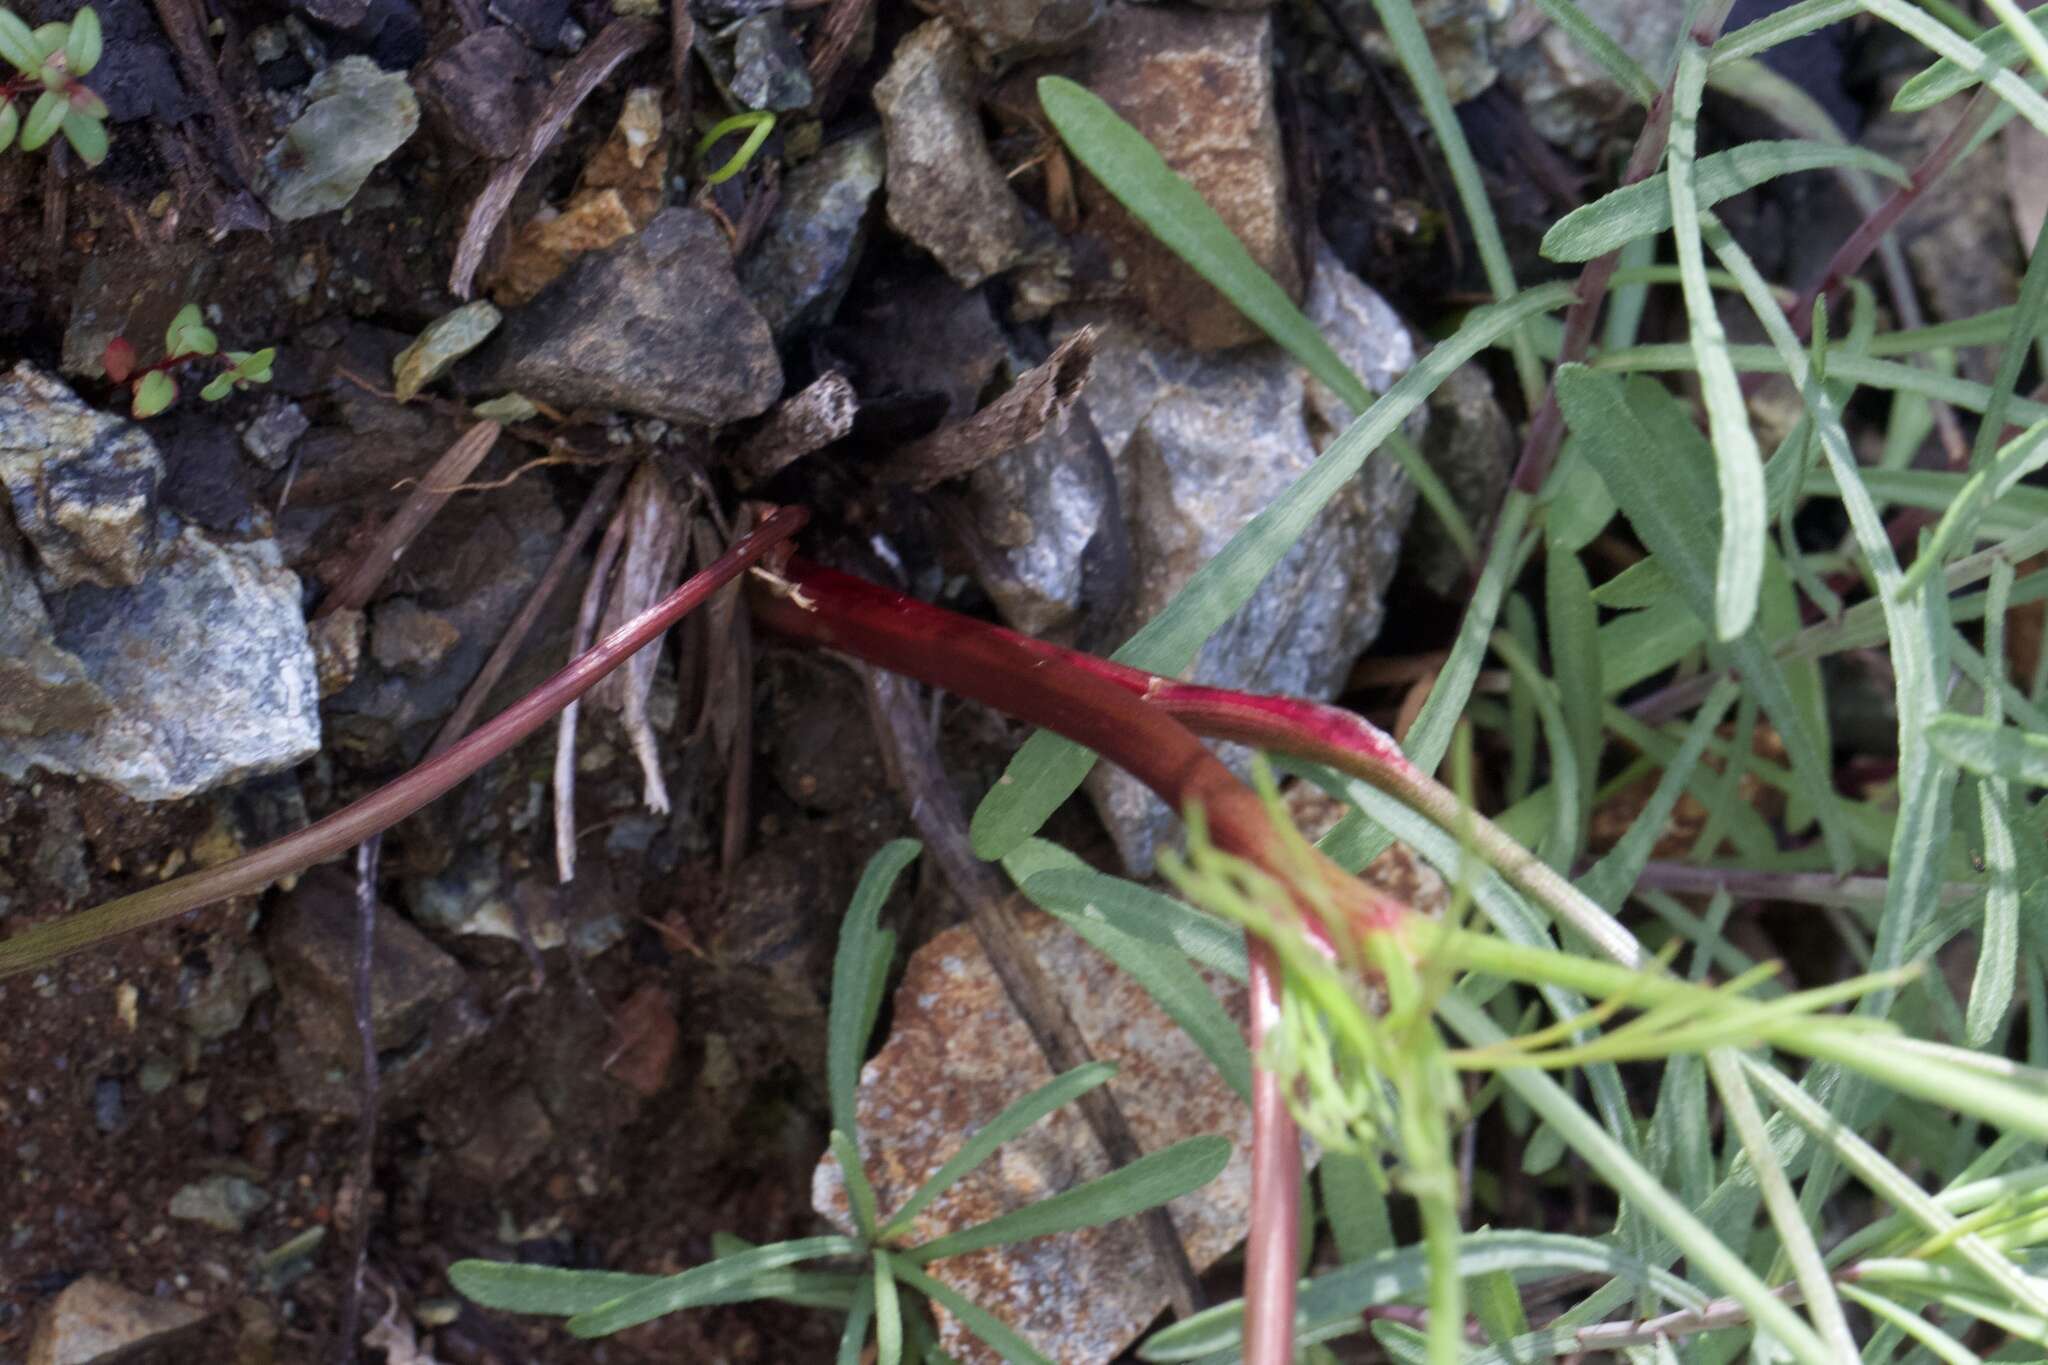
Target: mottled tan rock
[(95, 1322), (1199, 85), (1023, 28), (959, 1054), (945, 191)]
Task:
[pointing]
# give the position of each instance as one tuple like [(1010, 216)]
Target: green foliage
[(597, 1303), (188, 338), (49, 63)]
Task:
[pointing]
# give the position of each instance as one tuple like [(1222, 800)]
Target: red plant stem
[(1857, 247), (1272, 1246), (395, 800)]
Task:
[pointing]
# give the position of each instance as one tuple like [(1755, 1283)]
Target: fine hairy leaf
[(859, 972)]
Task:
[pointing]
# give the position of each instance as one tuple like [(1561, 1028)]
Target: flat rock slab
[(959, 1054), (656, 325), (96, 1322)]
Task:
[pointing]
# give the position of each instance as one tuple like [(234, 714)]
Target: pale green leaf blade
[(1997, 48), (704, 1284), (17, 44), (984, 1324), (858, 971), (543, 1289), (1989, 749), (1146, 1183), (1639, 210)]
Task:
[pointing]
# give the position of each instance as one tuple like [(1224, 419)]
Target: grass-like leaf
[(991, 1329), (1392, 1276), (1638, 210), (544, 1289), (1793, 21), (1146, 1183), (1989, 748), (1738, 463), (888, 1312), (853, 1339), (1611, 56), (1976, 63), (2021, 456), (1996, 48), (1048, 769), (1015, 1119), (1664, 497), (713, 1282), (860, 1193), (1062, 884), (859, 971), (1998, 945)]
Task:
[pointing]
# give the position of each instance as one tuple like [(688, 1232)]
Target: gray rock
[(423, 1013), (1570, 98), (224, 1203), (473, 896), (1143, 61), (768, 65), (82, 483), (205, 667), (356, 116), (800, 270), (1205, 442), (1025, 28), (273, 433), (407, 638), (213, 1002), (656, 325), (43, 686), (481, 92), (515, 1133), (945, 191), (1036, 512), (97, 1322), (1466, 37)]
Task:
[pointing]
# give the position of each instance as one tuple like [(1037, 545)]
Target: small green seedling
[(48, 62), (188, 338)]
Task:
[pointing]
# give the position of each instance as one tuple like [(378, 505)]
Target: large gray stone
[(1571, 99), (1023, 28), (946, 193), (800, 270), (205, 668), (82, 483), (1203, 443), (656, 325)]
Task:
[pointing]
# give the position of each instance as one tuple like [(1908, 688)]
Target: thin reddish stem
[(394, 801), (1272, 1246)]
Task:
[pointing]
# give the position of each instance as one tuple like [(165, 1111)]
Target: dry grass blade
[(805, 422), (354, 592)]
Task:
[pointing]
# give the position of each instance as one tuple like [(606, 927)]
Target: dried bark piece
[(1040, 399), (805, 422)]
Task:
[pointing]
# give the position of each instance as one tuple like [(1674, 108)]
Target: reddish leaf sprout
[(188, 338)]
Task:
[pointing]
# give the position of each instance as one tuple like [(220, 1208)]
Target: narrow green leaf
[(1016, 1118), (82, 43), (2006, 84), (1611, 56), (45, 117), (853, 1340), (1355, 1200), (10, 123), (1146, 1183), (1644, 583), (1997, 48), (1048, 769), (2020, 457), (858, 969), (1998, 945), (1575, 660), (1639, 210), (542, 1289), (1058, 882), (1990, 749), (1782, 26), (996, 1333), (87, 136), (704, 1284), (1738, 463), (18, 44), (1392, 1276), (888, 1313), (1668, 500), (860, 1195)]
